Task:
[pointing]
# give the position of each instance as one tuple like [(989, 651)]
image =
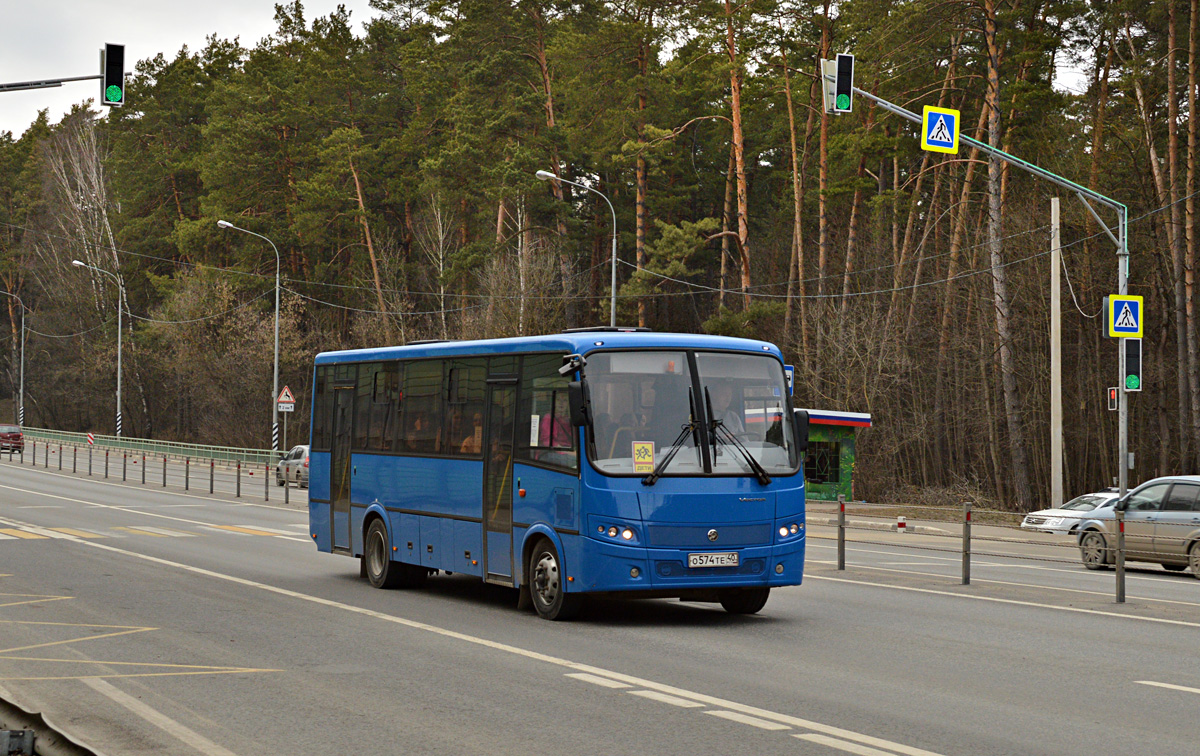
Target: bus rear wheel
[(547, 584), (744, 600)]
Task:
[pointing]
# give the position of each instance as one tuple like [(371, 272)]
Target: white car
[(1066, 519), (293, 468)]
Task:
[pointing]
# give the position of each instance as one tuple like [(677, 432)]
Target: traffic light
[(112, 85), (843, 89), (1132, 379), (1113, 404)]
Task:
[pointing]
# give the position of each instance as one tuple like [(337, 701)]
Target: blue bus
[(595, 461)]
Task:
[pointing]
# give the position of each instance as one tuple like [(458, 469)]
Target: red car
[(11, 438)]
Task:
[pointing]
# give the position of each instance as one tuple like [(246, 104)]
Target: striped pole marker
[(118, 422), (274, 436), (901, 525), (91, 439)]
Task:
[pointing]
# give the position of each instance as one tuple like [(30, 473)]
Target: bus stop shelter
[(830, 460)]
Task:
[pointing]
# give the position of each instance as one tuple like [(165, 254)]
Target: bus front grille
[(696, 536)]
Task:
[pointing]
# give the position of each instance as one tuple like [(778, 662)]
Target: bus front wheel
[(377, 558), (744, 600), (547, 584)]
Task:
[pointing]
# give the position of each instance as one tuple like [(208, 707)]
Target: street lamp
[(548, 176), (275, 388), (120, 308), (21, 404)]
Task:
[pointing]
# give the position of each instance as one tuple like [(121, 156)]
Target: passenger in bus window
[(473, 443), (722, 395), (553, 429)]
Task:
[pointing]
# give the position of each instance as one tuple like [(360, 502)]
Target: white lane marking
[(534, 655), (1039, 586), (120, 509), (157, 718), (745, 719), (1168, 686), (136, 486), (167, 531), (843, 745), (42, 506), (666, 698), (601, 681), (6, 537), (1015, 602)]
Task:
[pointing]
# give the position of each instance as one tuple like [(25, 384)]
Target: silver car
[(1067, 518), (293, 468), (1162, 524)]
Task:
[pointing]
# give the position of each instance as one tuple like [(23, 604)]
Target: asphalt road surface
[(148, 620)]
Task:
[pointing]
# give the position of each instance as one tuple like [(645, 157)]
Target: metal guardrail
[(157, 448)]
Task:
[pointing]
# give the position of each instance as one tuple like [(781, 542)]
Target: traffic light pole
[(45, 83), (1121, 239)]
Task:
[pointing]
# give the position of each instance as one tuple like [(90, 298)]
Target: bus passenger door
[(339, 467), (498, 482)]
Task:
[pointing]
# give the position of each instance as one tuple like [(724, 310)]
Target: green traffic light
[(113, 93), (843, 102), (1132, 382)]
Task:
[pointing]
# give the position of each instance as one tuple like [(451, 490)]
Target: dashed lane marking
[(168, 532), (77, 533), (18, 533), (843, 745), (762, 724), (701, 699), (667, 698), (139, 531), (601, 681), (240, 530), (1168, 686)]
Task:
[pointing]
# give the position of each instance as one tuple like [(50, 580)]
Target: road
[(149, 620)]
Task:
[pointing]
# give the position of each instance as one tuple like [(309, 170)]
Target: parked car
[(1067, 518), (293, 468), (11, 438), (1162, 524)]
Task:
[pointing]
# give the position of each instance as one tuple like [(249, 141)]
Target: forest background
[(393, 163)]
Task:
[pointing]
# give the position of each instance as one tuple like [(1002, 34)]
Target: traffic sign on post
[(286, 402), (1125, 316), (939, 130)]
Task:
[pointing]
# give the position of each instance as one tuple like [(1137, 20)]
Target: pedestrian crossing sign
[(1125, 317), (939, 130)]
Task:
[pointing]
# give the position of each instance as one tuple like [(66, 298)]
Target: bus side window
[(544, 432), (466, 388), (422, 405), (321, 396), (384, 397), (365, 387)]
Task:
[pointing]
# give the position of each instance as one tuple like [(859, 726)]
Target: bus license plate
[(725, 559)]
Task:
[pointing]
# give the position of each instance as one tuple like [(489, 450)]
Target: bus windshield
[(642, 401)]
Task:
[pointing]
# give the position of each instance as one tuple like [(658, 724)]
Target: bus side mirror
[(801, 417), (577, 399)]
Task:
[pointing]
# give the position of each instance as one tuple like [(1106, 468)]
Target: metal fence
[(170, 466), (1102, 544), (153, 448)]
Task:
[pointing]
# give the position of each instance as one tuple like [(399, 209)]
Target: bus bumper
[(613, 567)]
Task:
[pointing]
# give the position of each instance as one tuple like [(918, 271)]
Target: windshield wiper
[(716, 428), (689, 427)]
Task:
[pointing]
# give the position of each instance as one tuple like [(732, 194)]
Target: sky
[(51, 39)]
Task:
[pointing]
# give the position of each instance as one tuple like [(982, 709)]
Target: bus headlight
[(794, 528), (612, 531), (783, 531), (627, 534)]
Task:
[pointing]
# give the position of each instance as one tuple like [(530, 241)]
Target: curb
[(872, 525)]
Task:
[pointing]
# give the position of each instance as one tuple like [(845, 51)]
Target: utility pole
[(1056, 415)]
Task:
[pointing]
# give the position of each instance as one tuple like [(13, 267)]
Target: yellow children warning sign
[(643, 456)]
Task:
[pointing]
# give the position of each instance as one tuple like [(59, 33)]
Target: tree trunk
[(1008, 370), (1193, 359), (739, 151)]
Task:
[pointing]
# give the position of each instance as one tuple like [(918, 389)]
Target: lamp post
[(120, 308), (548, 176), (275, 386), (21, 402)]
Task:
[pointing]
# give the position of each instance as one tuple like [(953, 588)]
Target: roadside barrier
[(182, 467), (1098, 541)]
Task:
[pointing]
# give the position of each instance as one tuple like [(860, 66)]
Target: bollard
[(106, 463), (143, 469), (1120, 556), (841, 563), (239, 479), (164, 471), (966, 547), (286, 498), (60, 456), (212, 463), (187, 473), (124, 465), (74, 459), (89, 460), (266, 482), (46, 458), (901, 525), (34, 457)]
